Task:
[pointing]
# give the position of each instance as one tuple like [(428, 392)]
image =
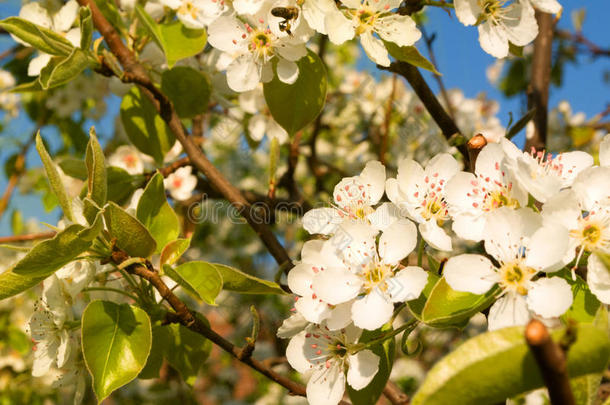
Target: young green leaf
[(199, 278), (240, 282), (131, 235), (295, 105), (446, 307), (54, 179), (520, 124), (156, 214), (97, 181), (144, 127), (62, 69), (417, 306), (116, 341), (411, 55), (174, 250), (41, 38), (508, 367), (121, 184), (44, 259), (585, 304), (85, 23), (188, 89)]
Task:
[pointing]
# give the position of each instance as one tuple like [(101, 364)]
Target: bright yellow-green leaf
[(199, 278), (54, 180), (131, 236), (240, 282)]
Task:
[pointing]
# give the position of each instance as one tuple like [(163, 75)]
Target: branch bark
[(26, 238), (552, 363), (538, 90), (434, 107), (136, 73)]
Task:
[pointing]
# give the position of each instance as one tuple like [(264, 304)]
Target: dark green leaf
[(97, 180), (294, 106), (519, 125), (188, 89), (86, 27), (121, 184)]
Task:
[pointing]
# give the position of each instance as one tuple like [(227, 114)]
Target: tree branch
[(26, 238), (538, 90), (394, 394), (136, 73), (552, 363), (14, 178), (427, 97)]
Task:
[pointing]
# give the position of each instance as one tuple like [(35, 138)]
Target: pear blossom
[(604, 151), (420, 194), (330, 360), (523, 248), (181, 183), (499, 23), (300, 31), (371, 278), (547, 6), (471, 197), (365, 18), (197, 14), (130, 159), (253, 46), (60, 22), (541, 174), (261, 122), (354, 198)]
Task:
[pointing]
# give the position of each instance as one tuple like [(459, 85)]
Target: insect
[(288, 14)]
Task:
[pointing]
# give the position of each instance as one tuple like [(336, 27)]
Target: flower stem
[(437, 3), (388, 335)]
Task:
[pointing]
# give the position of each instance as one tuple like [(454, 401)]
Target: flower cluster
[(535, 213)]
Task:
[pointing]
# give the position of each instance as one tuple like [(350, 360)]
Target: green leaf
[(515, 50), (86, 27), (121, 184), (585, 304), (34, 85), (240, 282), (111, 13), (417, 306), (116, 341), (585, 388), (295, 105), (39, 37), (62, 69), (504, 360), (519, 125), (54, 179), (176, 41), (130, 234), (174, 250), (97, 180), (73, 167), (44, 259), (386, 352), (144, 127), (188, 89), (446, 307), (411, 55), (199, 278), (156, 214)]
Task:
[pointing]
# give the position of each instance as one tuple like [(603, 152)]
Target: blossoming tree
[(392, 245)]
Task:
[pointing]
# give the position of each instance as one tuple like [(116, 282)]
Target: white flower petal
[(321, 220), (300, 278), (510, 310), (493, 40), (400, 29), (467, 11), (469, 226), (38, 63), (604, 151), (225, 34), (35, 13), (598, 279), (384, 216), (373, 178), (336, 286), (372, 311), (326, 387), (292, 326), (363, 366), (407, 284), (549, 297), (547, 248), (287, 71), (547, 6), (295, 353), (340, 316), (375, 49), (470, 273), (314, 310), (397, 241), (257, 126), (338, 27), (435, 236), (243, 74), (63, 20)]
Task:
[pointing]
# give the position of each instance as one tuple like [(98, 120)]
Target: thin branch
[(26, 238), (385, 132), (579, 38), (427, 97), (439, 79), (17, 173), (538, 90), (394, 394), (552, 363), (136, 73)]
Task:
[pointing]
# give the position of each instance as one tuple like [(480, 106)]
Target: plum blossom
[(60, 22), (354, 199), (365, 18), (330, 360), (420, 193), (499, 23), (523, 249), (542, 174), (181, 183), (252, 45), (471, 197), (197, 14)]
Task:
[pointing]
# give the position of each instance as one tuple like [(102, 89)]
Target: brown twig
[(439, 79), (26, 238), (394, 394), (579, 38), (427, 97), (136, 73), (17, 172), (551, 360), (385, 132), (538, 89)]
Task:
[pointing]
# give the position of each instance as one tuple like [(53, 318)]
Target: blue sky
[(459, 58)]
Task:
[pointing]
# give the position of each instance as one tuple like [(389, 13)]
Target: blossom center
[(514, 277), (375, 275), (499, 198), (189, 8), (261, 43), (592, 235), (130, 161)]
